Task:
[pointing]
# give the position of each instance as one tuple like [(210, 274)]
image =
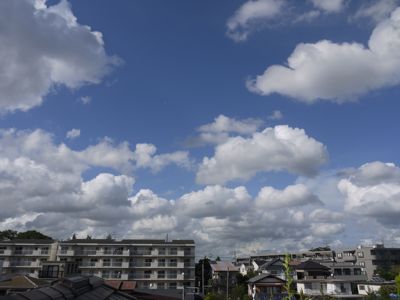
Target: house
[(274, 267), (17, 283), (373, 285), (265, 286), (257, 263), (245, 267), (73, 288), (224, 275)]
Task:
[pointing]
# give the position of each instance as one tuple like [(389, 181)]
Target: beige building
[(151, 263)]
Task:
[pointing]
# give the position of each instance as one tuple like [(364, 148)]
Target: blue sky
[(197, 119)]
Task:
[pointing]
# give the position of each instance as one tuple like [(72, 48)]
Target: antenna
[(166, 238)]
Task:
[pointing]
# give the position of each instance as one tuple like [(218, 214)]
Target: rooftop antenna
[(166, 238)]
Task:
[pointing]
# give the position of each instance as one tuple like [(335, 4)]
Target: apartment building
[(318, 255), (370, 258), (151, 263), (25, 256)]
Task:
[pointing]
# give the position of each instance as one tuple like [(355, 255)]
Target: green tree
[(397, 280), (238, 292), (289, 278), (386, 290), (207, 272), (74, 237), (8, 234), (214, 296), (32, 235), (388, 273)]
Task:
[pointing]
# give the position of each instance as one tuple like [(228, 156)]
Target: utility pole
[(202, 276), (227, 283)]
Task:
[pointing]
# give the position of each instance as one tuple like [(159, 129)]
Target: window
[(342, 288), (362, 263), (147, 274), (173, 251), (360, 254), (147, 262), (161, 251), (357, 271), (2, 249), (172, 285), (173, 262), (106, 262), (308, 286), (161, 262), (361, 287), (340, 255), (161, 274)]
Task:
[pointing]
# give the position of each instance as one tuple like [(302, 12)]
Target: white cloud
[(329, 6), (73, 133), (276, 115), (85, 99), (214, 201), (376, 10), (42, 47), (291, 196), (273, 149), (325, 215), (249, 15), (373, 190), (146, 158), (222, 128), (327, 229), (320, 71)]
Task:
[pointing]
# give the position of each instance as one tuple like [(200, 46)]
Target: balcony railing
[(23, 252)]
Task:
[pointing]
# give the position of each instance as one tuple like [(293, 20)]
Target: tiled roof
[(21, 282), (141, 241), (265, 278), (311, 265), (122, 285), (224, 266), (27, 241), (80, 288)]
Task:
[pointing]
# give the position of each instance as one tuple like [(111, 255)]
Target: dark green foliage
[(397, 279), (386, 290), (214, 296), (27, 235), (288, 278), (388, 273), (238, 292), (8, 234), (207, 272)]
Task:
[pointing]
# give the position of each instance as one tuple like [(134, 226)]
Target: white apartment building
[(156, 264)]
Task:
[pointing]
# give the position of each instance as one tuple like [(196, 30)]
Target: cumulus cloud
[(329, 6), (42, 47), (249, 15), (146, 158), (327, 229), (73, 133), (276, 115), (222, 128), (273, 149), (325, 215), (85, 99), (376, 10), (291, 196), (373, 190), (319, 71), (214, 201)]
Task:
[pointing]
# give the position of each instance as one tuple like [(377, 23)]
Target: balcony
[(24, 264), (5, 252), (90, 264), (23, 252), (85, 252), (66, 252)]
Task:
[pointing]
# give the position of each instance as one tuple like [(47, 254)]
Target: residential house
[(373, 285), (265, 286), (224, 275)]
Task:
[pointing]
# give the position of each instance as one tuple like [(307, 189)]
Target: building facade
[(370, 258), (156, 264)]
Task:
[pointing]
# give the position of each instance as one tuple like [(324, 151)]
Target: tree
[(74, 237), (207, 272), (388, 273), (88, 237), (288, 277), (214, 296), (32, 235), (238, 292), (386, 290), (109, 237), (397, 280), (8, 234)]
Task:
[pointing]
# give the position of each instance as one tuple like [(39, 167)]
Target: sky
[(248, 126)]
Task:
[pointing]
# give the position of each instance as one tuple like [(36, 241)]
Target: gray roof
[(27, 241), (265, 278), (223, 266), (136, 241), (80, 287)]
